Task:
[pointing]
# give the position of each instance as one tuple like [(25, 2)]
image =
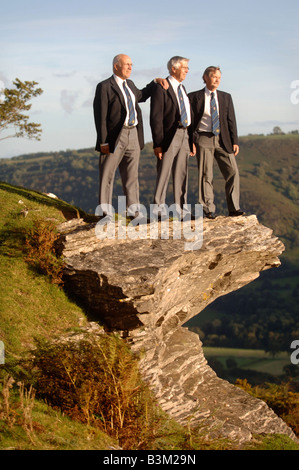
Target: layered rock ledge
[(148, 288)]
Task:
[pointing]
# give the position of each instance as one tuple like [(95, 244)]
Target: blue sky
[(68, 46)]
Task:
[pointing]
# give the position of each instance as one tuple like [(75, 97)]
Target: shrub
[(40, 244), (96, 381), (280, 398)]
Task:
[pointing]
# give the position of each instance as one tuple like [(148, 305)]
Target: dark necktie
[(184, 120), (130, 106), (214, 115)]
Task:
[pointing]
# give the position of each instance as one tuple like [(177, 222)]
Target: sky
[(67, 46)]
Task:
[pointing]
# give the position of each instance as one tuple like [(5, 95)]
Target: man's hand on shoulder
[(163, 82)]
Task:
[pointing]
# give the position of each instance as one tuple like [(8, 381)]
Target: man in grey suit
[(215, 135), (119, 127), (170, 120)]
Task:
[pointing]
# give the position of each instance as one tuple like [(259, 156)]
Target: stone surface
[(149, 288)]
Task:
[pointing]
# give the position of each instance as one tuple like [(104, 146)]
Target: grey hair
[(176, 62), (116, 60), (209, 70)]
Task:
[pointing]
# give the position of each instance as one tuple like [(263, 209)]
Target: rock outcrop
[(148, 288)]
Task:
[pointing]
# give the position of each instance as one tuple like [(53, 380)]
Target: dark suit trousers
[(126, 157), (208, 148)]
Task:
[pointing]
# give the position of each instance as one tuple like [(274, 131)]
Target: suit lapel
[(220, 102), (117, 90), (171, 93), (201, 100)]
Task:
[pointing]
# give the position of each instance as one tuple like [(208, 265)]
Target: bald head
[(122, 66)]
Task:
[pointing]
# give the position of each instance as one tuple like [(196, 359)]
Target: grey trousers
[(125, 156), (175, 161), (208, 148)]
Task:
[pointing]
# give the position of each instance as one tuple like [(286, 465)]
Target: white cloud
[(68, 100)]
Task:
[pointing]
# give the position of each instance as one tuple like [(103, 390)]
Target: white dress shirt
[(175, 84), (206, 120), (120, 82)]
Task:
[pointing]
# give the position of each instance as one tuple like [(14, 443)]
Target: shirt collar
[(208, 92), (118, 80), (175, 83)]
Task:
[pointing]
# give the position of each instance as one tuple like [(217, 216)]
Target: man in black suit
[(170, 120), (215, 135), (119, 128)]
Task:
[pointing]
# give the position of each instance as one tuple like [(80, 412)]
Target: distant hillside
[(268, 167)]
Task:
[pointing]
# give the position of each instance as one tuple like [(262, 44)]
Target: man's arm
[(232, 125), (100, 109), (197, 105), (146, 92), (156, 119)]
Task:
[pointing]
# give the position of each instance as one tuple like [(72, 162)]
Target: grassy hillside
[(29, 304)]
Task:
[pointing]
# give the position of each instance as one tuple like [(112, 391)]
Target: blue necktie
[(184, 120), (130, 106), (214, 116)]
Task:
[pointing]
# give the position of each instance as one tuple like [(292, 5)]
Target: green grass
[(29, 304), (51, 430)]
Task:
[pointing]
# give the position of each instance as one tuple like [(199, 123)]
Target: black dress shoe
[(236, 213), (210, 215)]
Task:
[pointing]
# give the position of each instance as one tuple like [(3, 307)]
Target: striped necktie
[(130, 106), (214, 115), (184, 120)]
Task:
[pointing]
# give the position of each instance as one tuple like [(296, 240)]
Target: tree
[(12, 107), (277, 131)]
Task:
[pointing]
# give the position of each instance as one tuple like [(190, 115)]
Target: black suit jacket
[(228, 125), (165, 117), (110, 111)]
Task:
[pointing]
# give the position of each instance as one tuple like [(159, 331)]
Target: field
[(252, 359), (256, 365)]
